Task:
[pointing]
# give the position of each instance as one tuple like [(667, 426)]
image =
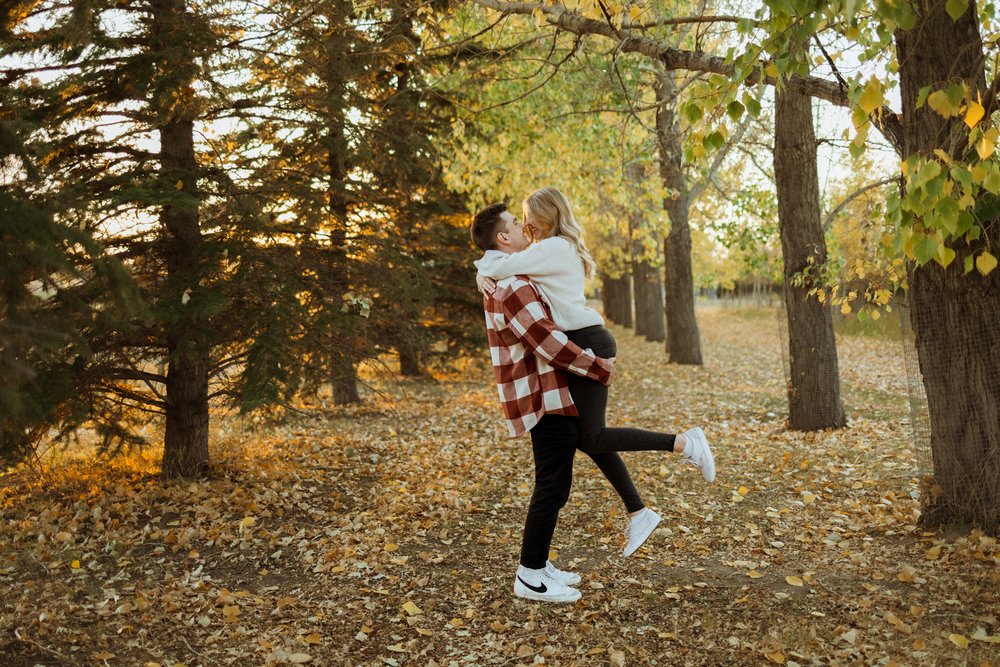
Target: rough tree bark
[(343, 380), (617, 295), (185, 444), (955, 317), (683, 339), (401, 113), (814, 387), (648, 301)]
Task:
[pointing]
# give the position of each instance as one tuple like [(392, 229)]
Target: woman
[(559, 264)]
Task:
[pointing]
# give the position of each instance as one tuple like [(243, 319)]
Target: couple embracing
[(554, 362)]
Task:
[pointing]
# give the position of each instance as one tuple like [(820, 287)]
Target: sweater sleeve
[(546, 258)]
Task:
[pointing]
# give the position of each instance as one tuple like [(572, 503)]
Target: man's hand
[(485, 285), (614, 371)]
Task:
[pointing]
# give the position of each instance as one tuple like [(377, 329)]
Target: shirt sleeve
[(545, 258), (526, 317)]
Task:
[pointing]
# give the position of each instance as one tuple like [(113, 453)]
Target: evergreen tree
[(119, 134)]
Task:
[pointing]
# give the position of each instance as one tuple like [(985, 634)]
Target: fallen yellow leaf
[(959, 640), (411, 608), (794, 581)]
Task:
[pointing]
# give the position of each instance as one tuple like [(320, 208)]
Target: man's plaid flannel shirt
[(530, 356)]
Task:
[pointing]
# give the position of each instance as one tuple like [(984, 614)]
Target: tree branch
[(851, 197), (695, 61)]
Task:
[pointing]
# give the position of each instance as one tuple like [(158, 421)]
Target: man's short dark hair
[(486, 225)]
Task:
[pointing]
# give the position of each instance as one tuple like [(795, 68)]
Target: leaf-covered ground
[(388, 534)]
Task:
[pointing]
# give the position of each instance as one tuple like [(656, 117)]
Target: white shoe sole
[(641, 538), (526, 594)]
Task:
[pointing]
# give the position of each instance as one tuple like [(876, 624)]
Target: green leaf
[(969, 263), (992, 182), (947, 215), (956, 8), (925, 249), (735, 110), (713, 141), (965, 222), (693, 112), (752, 105)]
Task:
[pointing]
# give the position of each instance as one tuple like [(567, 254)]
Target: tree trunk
[(683, 339), (814, 387), (343, 379), (185, 443), (955, 318), (617, 296), (640, 287), (649, 303), (409, 355)]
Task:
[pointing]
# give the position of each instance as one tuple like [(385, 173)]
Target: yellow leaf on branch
[(986, 262), (974, 113), (871, 98)]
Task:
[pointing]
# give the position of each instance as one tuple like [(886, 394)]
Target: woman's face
[(533, 227)]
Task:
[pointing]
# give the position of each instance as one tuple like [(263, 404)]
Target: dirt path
[(388, 535)]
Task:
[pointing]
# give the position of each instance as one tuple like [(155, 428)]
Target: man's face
[(512, 239)]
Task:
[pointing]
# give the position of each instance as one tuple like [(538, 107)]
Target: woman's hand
[(485, 285)]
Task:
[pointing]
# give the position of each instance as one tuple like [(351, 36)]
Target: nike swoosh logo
[(540, 588)]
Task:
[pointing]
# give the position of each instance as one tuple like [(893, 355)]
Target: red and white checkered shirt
[(530, 356)]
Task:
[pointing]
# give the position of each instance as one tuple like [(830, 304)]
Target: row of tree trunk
[(814, 401)]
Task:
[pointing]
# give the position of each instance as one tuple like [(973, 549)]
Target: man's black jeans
[(554, 440)]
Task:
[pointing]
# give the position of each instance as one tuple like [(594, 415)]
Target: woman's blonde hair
[(548, 211)]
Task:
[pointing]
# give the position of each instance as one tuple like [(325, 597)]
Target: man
[(531, 359)]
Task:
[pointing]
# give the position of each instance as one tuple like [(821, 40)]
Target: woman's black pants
[(555, 439)]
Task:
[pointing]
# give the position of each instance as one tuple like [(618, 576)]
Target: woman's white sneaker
[(639, 529), (697, 452), (537, 585), (562, 576)]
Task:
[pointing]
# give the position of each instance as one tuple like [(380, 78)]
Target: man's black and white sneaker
[(536, 585), (562, 576), (697, 452), (639, 528)]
